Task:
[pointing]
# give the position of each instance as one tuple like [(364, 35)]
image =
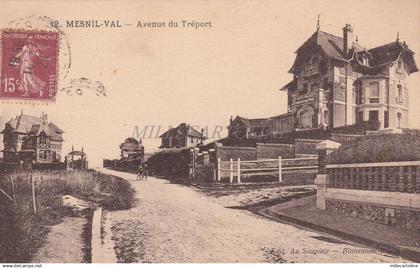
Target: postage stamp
[(29, 64)]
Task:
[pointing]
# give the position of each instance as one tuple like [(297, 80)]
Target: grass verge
[(22, 231)]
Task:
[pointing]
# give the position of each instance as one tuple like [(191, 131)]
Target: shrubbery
[(379, 148), (173, 162), (289, 138)]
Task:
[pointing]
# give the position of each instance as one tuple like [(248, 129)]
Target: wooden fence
[(237, 169)]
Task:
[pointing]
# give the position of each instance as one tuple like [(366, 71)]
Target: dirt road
[(174, 223)]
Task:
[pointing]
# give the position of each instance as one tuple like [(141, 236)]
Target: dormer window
[(314, 60), (365, 61), (400, 67)]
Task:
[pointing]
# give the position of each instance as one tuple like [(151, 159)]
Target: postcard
[(210, 132)]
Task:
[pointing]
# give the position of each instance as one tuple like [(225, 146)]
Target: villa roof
[(332, 47), (32, 125), (183, 129), (388, 54), (260, 122), (131, 144), (77, 153)]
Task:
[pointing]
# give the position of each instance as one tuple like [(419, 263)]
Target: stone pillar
[(191, 165), (324, 148)]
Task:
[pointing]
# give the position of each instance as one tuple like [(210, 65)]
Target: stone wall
[(306, 146), (343, 138), (225, 153), (394, 216), (263, 150), (273, 151)]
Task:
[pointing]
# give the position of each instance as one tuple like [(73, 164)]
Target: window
[(400, 93), (386, 119), (315, 88), (304, 89), (326, 118), (374, 92), (400, 67), (359, 92), (342, 81), (192, 139), (304, 117), (365, 61), (360, 117), (373, 115), (399, 118), (325, 84), (314, 60), (43, 155)]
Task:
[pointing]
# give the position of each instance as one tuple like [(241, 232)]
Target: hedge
[(289, 138), (173, 162), (379, 148)]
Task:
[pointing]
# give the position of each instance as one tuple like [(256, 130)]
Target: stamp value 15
[(29, 64)]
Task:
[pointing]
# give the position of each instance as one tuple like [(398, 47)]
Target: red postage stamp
[(29, 64)]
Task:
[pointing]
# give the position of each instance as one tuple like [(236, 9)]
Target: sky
[(166, 76)]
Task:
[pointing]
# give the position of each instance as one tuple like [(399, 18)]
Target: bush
[(379, 148), (173, 162)]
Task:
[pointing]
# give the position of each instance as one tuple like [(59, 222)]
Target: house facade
[(32, 139), (337, 82), (182, 136), (132, 149), (241, 127)]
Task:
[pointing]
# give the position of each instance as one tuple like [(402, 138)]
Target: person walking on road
[(139, 172), (145, 171)]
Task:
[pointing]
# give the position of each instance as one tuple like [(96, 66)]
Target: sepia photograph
[(210, 132)]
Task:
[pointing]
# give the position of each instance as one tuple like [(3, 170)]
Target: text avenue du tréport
[(175, 24)]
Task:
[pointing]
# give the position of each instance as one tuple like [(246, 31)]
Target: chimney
[(347, 38), (44, 118)]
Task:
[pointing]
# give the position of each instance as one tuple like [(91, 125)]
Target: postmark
[(29, 64)]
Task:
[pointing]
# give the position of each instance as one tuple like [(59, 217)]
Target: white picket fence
[(262, 167)]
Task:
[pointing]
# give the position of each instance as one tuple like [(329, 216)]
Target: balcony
[(399, 100)]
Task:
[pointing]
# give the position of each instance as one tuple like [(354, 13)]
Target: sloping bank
[(26, 234)]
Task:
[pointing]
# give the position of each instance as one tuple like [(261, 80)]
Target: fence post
[(231, 170), (324, 148), (280, 178), (218, 169), (12, 187), (33, 193), (239, 170)]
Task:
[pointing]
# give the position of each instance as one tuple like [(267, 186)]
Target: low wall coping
[(328, 145), (381, 198), (377, 164), (239, 148), (309, 140), (348, 135), (275, 145)]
